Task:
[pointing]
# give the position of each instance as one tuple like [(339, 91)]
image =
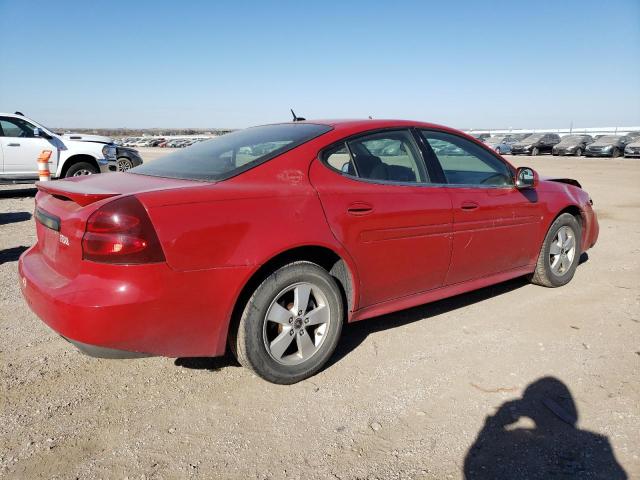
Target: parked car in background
[(632, 149), (480, 136), (607, 146), (535, 144), (272, 253), (572, 145), (127, 158), (501, 143), (23, 139)]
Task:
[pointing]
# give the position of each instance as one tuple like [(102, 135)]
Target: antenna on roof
[(296, 118), (19, 113)]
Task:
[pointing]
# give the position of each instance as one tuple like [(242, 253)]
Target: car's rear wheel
[(579, 152), (291, 324), (535, 151), (560, 253), (81, 168)]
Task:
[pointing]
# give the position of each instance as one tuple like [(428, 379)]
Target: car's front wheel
[(124, 164), (560, 253), (579, 152), (535, 151), (291, 324)]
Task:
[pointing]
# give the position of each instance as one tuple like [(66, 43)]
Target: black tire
[(248, 342), (535, 151), (615, 153), (78, 167), (543, 274), (124, 164), (579, 152)]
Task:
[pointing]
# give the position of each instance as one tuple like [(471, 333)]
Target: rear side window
[(465, 163), (389, 156), (226, 156)]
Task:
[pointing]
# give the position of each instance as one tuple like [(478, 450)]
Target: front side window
[(390, 156), (16, 127), (465, 163), (231, 154)]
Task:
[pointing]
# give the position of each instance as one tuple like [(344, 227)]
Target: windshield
[(608, 138), (496, 139), (572, 139), (233, 153), (533, 138)]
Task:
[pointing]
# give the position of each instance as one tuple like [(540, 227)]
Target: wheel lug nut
[(306, 320), (299, 312), (302, 331), (292, 332), (290, 319)]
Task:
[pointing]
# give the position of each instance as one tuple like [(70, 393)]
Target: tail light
[(121, 232)]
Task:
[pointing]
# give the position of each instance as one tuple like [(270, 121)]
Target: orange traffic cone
[(43, 165)]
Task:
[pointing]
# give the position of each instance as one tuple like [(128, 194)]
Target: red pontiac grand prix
[(269, 239)]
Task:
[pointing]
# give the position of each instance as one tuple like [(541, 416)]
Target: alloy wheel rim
[(124, 165), (296, 323), (82, 171), (562, 251)]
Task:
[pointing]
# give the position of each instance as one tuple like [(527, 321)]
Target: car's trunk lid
[(64, 206)]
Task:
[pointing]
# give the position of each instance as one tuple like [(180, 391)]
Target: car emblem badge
[(64, 240)]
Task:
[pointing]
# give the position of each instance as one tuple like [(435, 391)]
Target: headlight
[(109, 151), (607, 148)]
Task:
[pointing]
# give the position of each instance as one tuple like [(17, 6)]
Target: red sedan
[(270, 238)]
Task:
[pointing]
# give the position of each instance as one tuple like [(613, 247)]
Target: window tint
[(465, 163), (16, 127), (233, 153), (388, 156)]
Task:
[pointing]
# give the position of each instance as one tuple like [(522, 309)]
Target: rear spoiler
[(75, 192)]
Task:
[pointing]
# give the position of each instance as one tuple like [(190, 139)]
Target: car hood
[(634, 144), (81, 137)]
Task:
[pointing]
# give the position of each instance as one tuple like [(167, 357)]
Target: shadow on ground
[(18, 192), (11, 254), (14, 217), (536, 437)]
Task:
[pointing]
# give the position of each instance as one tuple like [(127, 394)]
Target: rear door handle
[(13, 144), (468, 205), (359, 208)]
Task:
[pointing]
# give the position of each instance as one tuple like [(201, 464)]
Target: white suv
[(22, 140)]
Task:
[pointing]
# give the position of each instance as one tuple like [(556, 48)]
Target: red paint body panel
[(402, 244)]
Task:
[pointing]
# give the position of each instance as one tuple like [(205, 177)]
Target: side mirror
[(526, 178)]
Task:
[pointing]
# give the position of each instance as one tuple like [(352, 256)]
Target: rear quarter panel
[(245, 220)]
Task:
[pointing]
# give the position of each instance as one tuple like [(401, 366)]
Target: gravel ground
[(484, 381)]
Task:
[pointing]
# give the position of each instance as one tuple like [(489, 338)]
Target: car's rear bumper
[(145, 309)]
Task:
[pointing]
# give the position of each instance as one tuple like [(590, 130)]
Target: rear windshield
[(228, 155)]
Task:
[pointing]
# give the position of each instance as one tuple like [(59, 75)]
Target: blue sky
[(467, 64)]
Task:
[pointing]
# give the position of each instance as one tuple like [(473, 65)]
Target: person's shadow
[(552, 448)]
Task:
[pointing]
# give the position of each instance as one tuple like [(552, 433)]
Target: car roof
[(353, 126)]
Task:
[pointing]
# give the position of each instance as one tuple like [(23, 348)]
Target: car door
[(381, 205), (495, 225), (21, 147)]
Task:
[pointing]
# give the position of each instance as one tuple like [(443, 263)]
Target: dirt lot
[(406, 396)]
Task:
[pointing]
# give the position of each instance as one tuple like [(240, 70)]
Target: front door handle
[(13, 144), (359, 208), (468, 205)]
